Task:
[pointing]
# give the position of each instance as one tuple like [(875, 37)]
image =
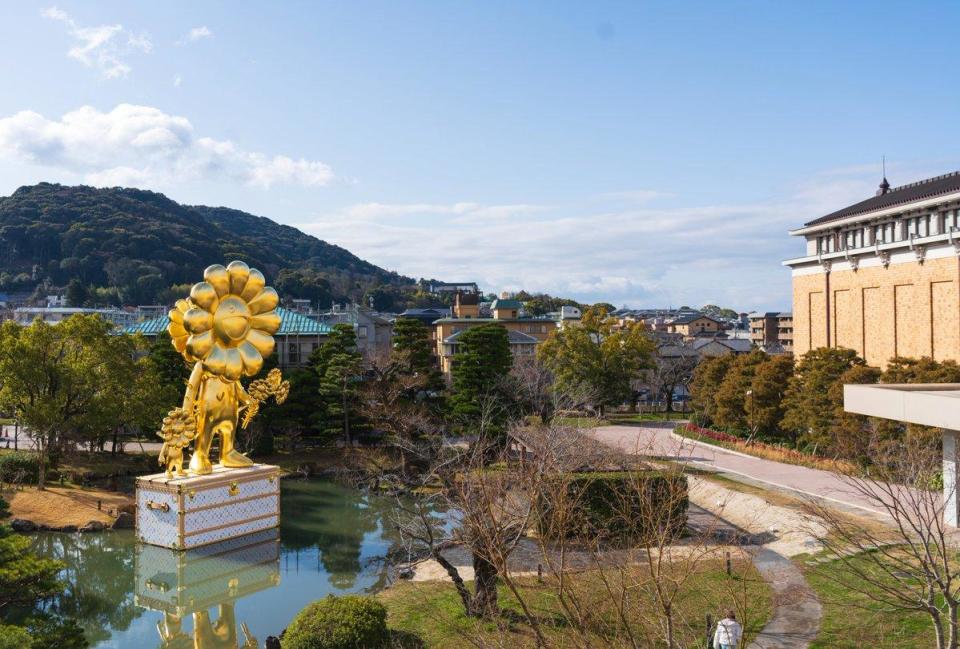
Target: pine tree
[(413, 352), (339, 368), (810, 406), (481, 365)]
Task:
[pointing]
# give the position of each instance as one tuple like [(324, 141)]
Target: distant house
[(439, 288), (426, 316), (374, 330), (53, 315), (694, 324), (525, 332), (296, 339), (717, 346)]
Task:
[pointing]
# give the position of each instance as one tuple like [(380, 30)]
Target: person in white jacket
[(727, 635)]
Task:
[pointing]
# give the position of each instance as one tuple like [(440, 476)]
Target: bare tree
[(672, 368), (911, 565)]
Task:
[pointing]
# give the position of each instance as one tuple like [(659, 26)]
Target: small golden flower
[(228, 321)]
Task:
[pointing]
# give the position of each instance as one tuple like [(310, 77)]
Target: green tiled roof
[(506, 304), (291, 324)]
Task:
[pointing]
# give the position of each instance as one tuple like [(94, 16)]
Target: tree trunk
[(42, 457), (346, 419), (456, 579), (485, 588)]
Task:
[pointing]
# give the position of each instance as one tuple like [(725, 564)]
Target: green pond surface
[(332, 539)]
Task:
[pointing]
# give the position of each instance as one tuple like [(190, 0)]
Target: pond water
[(332, 539)]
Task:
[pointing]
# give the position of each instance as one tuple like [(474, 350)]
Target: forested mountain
[(130, 246)]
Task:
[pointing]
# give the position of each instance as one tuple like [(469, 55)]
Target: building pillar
[(950, 505)]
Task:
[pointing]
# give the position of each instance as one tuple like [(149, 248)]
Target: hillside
[(132, 246)]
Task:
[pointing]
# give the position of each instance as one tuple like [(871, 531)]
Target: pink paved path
[(661, 442)]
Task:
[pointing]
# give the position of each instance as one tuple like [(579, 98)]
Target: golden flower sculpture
[(228, 321), (225, 328)]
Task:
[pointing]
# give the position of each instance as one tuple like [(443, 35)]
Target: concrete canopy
[(927, 404)]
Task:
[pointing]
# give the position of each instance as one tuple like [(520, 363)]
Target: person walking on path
[(727, 635)]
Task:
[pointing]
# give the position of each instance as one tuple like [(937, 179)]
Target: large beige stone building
[(882, 276)]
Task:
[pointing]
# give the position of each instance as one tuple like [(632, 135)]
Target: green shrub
[(622, 507), (349, 622), (19, 467), (13, 637)]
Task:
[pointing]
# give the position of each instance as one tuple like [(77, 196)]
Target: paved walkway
[(659, 441), (797, 611)]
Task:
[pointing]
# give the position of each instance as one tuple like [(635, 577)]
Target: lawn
[(580, 422), (433, 611), (852, 620)]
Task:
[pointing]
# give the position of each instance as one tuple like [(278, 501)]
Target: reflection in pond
[(333, 539), (178, 584)]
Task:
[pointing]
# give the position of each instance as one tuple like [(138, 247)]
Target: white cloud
[(194, 35), (198, 33), (177, 80), (102, 46), (618, 252), (145, 147)]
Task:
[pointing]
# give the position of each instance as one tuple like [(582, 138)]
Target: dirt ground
[(60, 506)]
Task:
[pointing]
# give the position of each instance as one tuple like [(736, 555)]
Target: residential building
[(694, 324), (881, 276), (525, 332), (772, 331), (53, 315), (720, 346), (439, 288), (296, 339), (374, 330)]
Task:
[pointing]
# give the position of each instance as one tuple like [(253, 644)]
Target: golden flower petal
[(216, 360), (218, 278), (199, 345), (238, 272), (255, 284), (268, 323), (234, 365), (267, 300), (180, 343), (204, 296), (176, 330), (252, 360), (197, 321), (175, 315), (183, 305), (263, 342)]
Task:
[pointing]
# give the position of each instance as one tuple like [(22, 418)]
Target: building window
[(362, 331)]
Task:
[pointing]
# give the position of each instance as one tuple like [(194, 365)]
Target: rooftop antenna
[(884, 185)]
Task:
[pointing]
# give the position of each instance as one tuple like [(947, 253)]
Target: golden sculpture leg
[(230, 457)]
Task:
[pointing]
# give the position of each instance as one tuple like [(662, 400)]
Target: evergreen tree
[(77, 293), (734, 391), (413, 352), (764, 405), (810, 405), (339, 367), (24, 577), (480, 368), (706, 381)]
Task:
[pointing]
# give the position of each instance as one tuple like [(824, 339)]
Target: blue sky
[(638, 153)]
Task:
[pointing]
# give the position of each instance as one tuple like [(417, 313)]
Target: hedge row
[(619, 508)]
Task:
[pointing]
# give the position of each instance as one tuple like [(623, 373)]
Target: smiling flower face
[(228, 321)]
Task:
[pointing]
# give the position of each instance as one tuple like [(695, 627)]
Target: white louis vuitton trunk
[(185, 582), (183, 513)]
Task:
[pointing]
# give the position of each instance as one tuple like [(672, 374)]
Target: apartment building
[(772, 331), (881, 276)]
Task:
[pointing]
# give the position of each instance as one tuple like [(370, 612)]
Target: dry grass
[(765, 451), (60, 506)]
